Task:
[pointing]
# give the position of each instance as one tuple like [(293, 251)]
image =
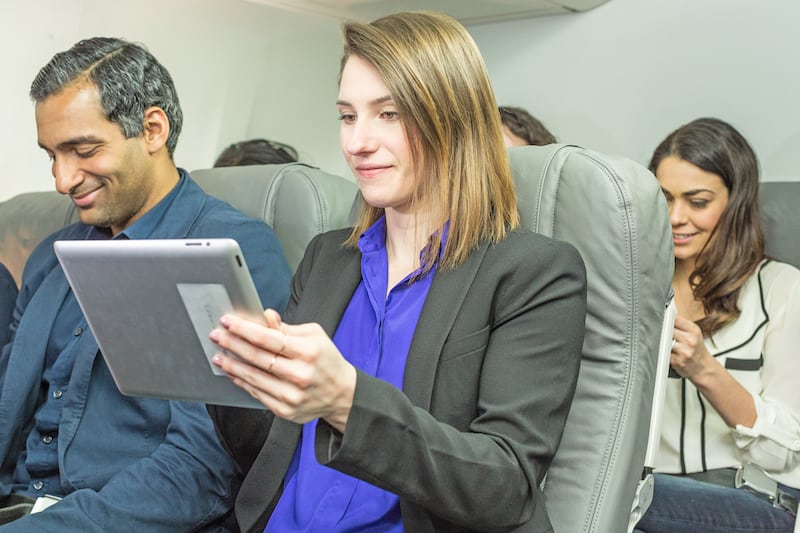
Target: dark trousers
[(13, 507), (687, 505)]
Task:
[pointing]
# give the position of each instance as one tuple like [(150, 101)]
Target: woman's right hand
[(691, 359), (294, 370)]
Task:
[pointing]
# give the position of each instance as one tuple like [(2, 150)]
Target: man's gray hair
[(128, 79)]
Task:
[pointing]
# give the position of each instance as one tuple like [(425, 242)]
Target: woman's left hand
[(294, 370)]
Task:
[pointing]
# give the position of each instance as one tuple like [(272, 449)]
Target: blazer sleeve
[(523, 365)]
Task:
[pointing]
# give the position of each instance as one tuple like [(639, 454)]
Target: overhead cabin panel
[(467, 11)]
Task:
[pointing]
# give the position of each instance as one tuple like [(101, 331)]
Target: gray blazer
[(490, 375)]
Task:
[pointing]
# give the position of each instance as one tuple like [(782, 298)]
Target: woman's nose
[(360, 138)]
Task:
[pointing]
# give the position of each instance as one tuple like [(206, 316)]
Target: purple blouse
[(374, 335)]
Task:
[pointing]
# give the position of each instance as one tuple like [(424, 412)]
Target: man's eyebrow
[(75, 141)]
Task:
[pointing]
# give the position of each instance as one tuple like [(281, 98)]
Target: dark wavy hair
[(256, 152), (525, 126), (736, 248), (128, 79)]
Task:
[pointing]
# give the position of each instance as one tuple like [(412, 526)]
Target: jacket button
[(77, 331), (37, 485), (57, 394), (47, 439)]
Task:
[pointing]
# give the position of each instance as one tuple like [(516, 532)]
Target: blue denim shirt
[(37, 471), (8, 295), (124, 463)]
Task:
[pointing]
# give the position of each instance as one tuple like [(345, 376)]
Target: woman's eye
[(390, 115), (347, 118), (699, 204)]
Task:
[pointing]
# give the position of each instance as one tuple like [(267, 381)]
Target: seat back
[(779, 203), (298, 201), (26, 219), (612, 210)]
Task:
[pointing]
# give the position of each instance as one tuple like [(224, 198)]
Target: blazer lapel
[(323, 302), (329, 296), (261, 484), (444, 301)]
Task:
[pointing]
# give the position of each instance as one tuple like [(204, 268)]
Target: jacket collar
[(184, 211)]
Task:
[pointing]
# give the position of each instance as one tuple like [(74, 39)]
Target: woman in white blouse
[(732, 396)]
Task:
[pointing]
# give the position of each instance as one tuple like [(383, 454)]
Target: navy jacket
[(127, 464)]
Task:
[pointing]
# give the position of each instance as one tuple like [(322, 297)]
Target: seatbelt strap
[(753, 478)]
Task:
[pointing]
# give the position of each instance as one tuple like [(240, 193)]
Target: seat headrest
[(298, 201), (779, 203)]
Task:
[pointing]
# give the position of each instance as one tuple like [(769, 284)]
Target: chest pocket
[(455, 396), (465, 345)]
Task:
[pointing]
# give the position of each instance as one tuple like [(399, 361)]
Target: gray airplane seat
[(780, 211), (26, 219), (298, 201), (612, 210)]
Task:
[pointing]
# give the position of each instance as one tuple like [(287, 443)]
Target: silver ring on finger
[(283, 346)]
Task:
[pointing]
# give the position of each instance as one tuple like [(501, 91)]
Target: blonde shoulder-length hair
[(439, 83)]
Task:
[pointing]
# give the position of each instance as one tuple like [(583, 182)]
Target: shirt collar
[(374, 238)]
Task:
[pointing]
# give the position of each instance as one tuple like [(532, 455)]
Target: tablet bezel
[(129, 293)]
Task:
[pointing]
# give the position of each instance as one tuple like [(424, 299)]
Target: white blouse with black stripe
[(761, 350)]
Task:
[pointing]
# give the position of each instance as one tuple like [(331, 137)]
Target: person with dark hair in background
[(520, 128), (256, 152), (429, 355), (108, 117), (731, 397)]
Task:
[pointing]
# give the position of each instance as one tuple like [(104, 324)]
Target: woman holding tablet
[(427, 359)]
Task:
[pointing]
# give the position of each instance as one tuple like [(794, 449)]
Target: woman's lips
[(370, 171), (682, 238)]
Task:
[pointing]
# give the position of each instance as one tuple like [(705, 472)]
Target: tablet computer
[(151, 305)]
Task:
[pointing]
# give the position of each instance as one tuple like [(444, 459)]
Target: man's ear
[(156, 128)]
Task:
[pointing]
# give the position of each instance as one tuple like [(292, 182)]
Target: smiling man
[(108, 116)]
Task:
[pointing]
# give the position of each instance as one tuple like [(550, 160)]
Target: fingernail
[(217, 359)]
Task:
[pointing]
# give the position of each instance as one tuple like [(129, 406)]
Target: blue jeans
[(684, 505)]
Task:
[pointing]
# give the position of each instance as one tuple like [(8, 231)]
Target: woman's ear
[(156, 128)]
